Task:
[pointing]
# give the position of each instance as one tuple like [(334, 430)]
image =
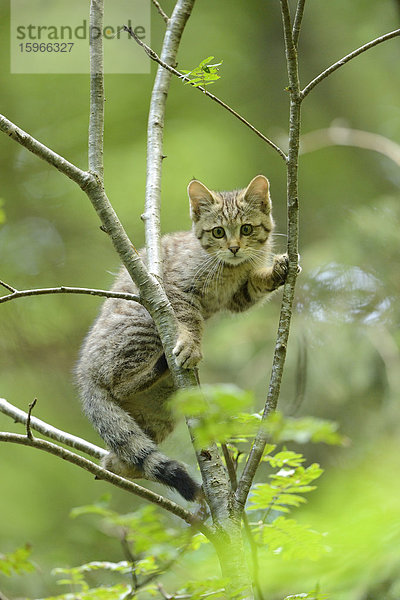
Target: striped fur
[(122, 372)]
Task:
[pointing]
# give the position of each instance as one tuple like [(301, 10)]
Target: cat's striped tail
[(133, 454)]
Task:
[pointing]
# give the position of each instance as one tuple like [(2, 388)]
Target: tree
[(226, 507)]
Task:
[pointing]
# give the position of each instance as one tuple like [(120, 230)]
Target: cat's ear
[(200, 197), (258, 192)]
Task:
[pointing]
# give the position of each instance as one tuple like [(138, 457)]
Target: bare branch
[(8, 287), (65, 290), (28, 420), (346, 59), (105, 475), (154, 56), (160, 10), (96, 114), (73, 441), (297, 21)]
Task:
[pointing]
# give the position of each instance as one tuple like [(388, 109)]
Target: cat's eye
[(246, 229), (218, 232)]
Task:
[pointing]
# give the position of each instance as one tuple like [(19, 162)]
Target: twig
[(346, 59), (154, 56), (105, 475), (230, 466), (73, 441), (155, 134), (8, 287), (28, 420), (67, 290), (297, 21), (2, 596), (96, 114), (160, 10)]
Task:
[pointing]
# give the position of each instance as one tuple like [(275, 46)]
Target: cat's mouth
[(234, 259)]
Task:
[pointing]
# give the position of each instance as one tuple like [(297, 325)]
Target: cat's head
[(233, 226)]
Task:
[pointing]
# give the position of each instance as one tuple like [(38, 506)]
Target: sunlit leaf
[(290, 539), (17, 561), (204, 74), (303, 430), (222, 412)]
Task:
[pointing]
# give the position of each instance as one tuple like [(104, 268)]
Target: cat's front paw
[(187, 351), (280, 269)]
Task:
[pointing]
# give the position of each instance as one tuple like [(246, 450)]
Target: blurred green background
[(345, 337)]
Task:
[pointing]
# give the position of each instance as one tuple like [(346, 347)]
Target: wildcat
[(224, 263)]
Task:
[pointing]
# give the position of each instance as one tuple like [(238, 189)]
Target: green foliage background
[(347, 310)]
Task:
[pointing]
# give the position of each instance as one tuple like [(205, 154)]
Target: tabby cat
[(224, 263)]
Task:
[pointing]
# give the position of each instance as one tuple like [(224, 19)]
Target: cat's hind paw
[(187, 351)]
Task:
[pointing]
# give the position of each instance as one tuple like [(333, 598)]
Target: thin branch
[(154, 56), (105, 475), (82, 178), (28, 420), (160, 10), (346, 59), (44, 428), (230, 466), (297, 21), (8, 287), (65, 290), (96, 114)]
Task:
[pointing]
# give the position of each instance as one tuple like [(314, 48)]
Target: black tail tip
[(175, 476)]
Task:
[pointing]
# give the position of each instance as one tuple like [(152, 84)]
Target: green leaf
[(221, 412), (115, 592), (303, 430), (17, 561), (204, 73), (98, 508), (284, 489), (286, 537), (285, 458)]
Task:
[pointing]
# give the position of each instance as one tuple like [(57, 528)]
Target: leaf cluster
[(204, 73), (225, 414)]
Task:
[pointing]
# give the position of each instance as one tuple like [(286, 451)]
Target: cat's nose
[(234, 249)]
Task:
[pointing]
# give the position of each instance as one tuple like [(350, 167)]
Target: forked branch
[(346, 59)]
